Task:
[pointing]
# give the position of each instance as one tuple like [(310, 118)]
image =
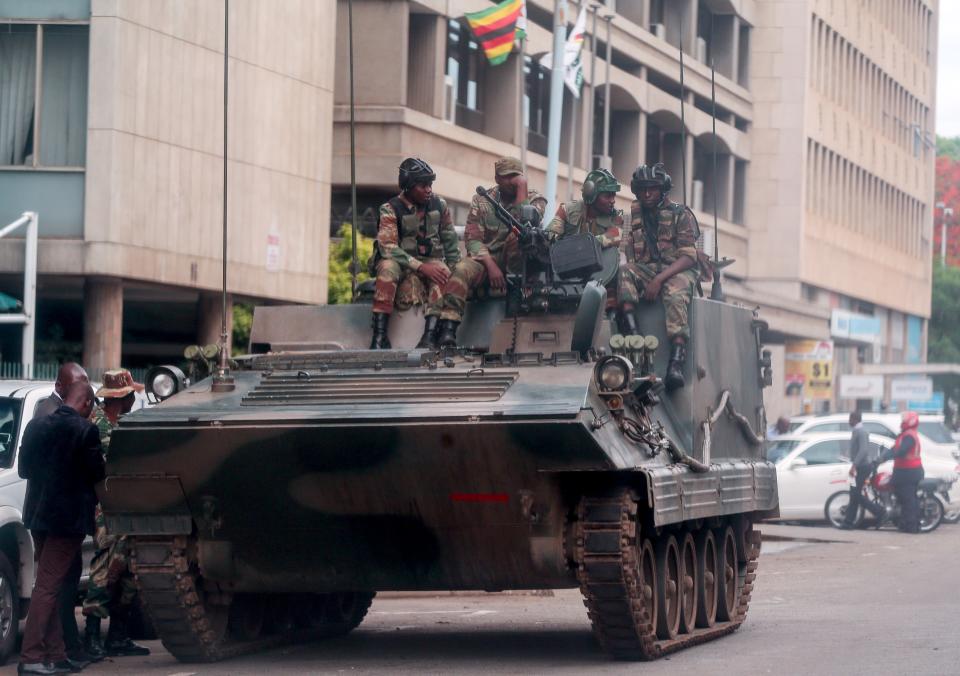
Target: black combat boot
[(428, 341), (380, 340), (92, 642), (678, 355), (447, 333), (628, 323), (118, 643)]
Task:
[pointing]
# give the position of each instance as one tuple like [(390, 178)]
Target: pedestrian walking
[(863, 456), (62, 461)]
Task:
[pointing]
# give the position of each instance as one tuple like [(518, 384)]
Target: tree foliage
[(944, 342), (948, 192), (949, 146), (338, 281), (242, 323)]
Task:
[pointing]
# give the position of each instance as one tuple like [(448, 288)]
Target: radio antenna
[(354, 265), (222, 380), (716, 289), (683, 119)]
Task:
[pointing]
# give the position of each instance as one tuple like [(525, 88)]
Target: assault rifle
[(531, 237)]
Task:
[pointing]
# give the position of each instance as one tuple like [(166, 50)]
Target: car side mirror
[(798, 462)]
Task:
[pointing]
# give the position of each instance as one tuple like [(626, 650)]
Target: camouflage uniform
[(484, 235), (425, 234), (110, 577), (575, 217), (674, 231)]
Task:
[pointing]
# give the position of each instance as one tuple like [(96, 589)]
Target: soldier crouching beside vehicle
[(661, 251), (416, 249), (493, 249)]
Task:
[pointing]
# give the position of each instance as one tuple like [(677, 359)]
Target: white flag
[(572, 49)]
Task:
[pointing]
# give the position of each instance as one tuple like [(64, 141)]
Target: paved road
[(826, 602)]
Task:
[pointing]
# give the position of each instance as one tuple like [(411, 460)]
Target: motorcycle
[(878, 489)]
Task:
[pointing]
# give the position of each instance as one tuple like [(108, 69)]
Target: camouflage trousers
[(405, 288), (469, 274), (111, 582), (675, 294)]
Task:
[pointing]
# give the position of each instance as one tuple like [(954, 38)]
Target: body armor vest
[(419, 236)]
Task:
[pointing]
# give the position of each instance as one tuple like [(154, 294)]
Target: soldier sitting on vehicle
[(595, 214), (416, 249), (661, 251), (493, 248)]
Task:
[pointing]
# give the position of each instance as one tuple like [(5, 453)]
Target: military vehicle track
[(205, 625), (641, 596)]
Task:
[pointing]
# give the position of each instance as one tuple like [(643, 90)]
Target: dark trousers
[(68, 605), (858, 499), (905, 482), (43, 635)]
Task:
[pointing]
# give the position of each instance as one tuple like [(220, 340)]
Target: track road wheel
[(342, 612), (247, 616), (668, 587), (707, 582), (727, 578), (647, 565), (689, 586)]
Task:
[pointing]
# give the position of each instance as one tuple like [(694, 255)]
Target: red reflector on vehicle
[(480, 497)]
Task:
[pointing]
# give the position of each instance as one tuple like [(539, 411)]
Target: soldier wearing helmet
[(661, 252), (594, 214), (416, 249), (493, 249)]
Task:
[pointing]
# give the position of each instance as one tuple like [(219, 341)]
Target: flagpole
[(556, 103), (593, 85), (575, 105), (606, 97)]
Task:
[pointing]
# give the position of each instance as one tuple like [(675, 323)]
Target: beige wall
[(154, 166)]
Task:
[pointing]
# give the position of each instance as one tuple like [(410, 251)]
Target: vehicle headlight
[(613, 373), (165, 381)]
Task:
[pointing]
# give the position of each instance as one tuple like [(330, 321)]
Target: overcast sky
[(948, 70)]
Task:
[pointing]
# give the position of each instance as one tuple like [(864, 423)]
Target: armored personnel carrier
[(543, 453)]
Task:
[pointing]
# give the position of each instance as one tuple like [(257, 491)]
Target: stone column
[(102, 324), (209, 308)]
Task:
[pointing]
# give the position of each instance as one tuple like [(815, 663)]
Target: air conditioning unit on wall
[(659, 30), (700, 51), (696, 201), (450, 100)]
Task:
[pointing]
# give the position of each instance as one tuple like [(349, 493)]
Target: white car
[(19, 400), (812, 467), (935, 439)]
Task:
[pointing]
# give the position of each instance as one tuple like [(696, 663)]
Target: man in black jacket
[(62, 461), (69, 373)]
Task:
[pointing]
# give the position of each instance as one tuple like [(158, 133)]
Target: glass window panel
[(63, 103), (18, 72)]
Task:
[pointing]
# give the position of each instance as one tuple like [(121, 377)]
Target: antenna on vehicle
[(683, 119), (716, 289), (222, 380), (354, 265)]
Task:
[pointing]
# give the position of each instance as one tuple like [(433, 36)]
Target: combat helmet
[(413, 170), (646, 176), (598, 181)]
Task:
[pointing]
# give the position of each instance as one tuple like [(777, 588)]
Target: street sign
[(911, 389), (861, 387), (932, 405)]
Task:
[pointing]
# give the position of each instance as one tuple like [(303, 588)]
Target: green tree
[(944, 343), (338, 280), (242, 323), (948, 146)]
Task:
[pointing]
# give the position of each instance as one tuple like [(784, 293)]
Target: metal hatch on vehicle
[(379, 388)]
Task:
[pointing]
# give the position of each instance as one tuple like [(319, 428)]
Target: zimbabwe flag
[(495, 29)]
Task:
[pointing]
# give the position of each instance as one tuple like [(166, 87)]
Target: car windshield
[(9, 425), (795, 424), (778, 450), (935, 431)]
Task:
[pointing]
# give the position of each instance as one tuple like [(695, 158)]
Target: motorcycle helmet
[(909, 420)]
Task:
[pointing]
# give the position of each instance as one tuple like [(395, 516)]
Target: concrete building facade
[(114, 136)]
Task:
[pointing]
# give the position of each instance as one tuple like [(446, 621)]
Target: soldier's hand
[(498, 282), (520, 181), (652, 289), (435, 272)]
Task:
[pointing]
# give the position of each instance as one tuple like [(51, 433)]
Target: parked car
[(19, 400), (813, 466), (935, 438)]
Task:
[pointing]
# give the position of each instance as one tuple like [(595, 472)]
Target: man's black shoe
[(81, 655), (36, 668), (125, 648), (67, 666)]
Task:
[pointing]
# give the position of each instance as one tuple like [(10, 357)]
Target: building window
[(43, 95), (464, 72), (536, 104)]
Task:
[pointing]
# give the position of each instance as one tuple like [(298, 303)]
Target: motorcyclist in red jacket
[(907, 471)]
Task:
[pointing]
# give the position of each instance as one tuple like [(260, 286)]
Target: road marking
[(869, 554)]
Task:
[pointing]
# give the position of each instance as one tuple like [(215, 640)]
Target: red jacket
[(911, 459)]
